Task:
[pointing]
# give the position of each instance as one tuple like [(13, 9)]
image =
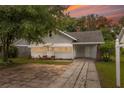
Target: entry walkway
[(81, 74)]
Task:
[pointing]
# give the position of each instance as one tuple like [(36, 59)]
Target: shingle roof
[(87, 36)]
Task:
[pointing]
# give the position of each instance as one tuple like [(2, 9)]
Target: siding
[(61, 47), (58, 52), (57, 38)]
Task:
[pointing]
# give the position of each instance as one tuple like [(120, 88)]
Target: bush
[(107, 50), (13, 52), (122, 51)]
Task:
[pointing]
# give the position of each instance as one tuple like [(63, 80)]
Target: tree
[(31, 23), (107, 34), (121, 21), (58, 12), (81, 22), (93, 22), (68, 24)]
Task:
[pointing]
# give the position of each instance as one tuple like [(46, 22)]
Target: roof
[(87, 36), (67, 35)]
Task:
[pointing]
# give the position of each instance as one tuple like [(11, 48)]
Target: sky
[(114, 12)]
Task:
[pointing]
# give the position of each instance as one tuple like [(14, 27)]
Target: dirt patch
[(30, 75)]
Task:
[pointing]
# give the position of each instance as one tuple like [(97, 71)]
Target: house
[(64, 45), (121, 36)]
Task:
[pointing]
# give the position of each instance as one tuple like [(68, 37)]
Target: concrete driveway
[(81, 74)]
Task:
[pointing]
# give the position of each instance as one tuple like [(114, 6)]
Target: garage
[(85, 51)]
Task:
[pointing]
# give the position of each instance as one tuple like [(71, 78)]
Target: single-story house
[(64, 45)]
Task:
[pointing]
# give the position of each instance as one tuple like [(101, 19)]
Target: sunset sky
[(113, 12)]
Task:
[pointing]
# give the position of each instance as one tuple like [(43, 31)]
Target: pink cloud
[(104, 10)]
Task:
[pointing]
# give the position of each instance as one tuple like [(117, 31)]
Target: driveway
[(79, 74), (30, 75), (82, 73)]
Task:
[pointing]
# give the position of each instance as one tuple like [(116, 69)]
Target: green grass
[(20, 61), (107, 73)]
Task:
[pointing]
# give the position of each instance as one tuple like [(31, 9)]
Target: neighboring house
[(121, 36), (64, 45)]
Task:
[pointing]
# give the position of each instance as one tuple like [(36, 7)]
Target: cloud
[(76, 7), (87, 10), (104, 10), (115, 15), (73, 7)]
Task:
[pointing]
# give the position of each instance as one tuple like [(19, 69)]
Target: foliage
[(122, 51), (85, 23), (68, 24), (92, 22), (107, 50), (108, 35), (31, 23), (60, 16), (107, 73), (116, 29), (121, 21), (13, 52)]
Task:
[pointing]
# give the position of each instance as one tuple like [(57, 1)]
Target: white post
[(117, 63)]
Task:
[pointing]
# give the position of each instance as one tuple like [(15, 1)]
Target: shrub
[(122, 51), (13, 52), (107, 50)]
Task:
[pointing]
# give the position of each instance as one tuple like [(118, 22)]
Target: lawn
[(20, 61), (106, 71)]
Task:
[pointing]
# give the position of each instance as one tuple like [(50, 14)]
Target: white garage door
[(90, 51)]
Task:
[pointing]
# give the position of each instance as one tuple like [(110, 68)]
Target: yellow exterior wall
[(38, 49), (63, 49), (55, 49)]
